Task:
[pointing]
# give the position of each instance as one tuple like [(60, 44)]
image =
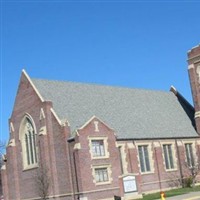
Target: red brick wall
[(70, 169), (84, 162), (194, 61), (52, 147)]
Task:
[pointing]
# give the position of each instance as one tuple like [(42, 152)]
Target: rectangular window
[(169, 162), (144, 158), (101, 175), (189, 155), (98, 148)]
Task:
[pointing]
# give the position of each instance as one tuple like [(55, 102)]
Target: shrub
[(187, 182)]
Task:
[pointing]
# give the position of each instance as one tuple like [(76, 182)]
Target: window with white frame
[(168, 156), (98, 148), (101, 175), (28, 141), (144, 158), (189, 154)]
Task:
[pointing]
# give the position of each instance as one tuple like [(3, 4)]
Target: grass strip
[(170, 193)]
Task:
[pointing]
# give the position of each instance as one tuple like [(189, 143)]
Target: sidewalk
[(189, 196)]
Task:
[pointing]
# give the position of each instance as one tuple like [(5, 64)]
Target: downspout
[(159, 180), (179, 162), (72, 179), (129, 155), (121, 164), (76, 176)]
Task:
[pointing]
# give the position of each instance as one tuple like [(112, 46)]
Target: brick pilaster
[(194, 75)]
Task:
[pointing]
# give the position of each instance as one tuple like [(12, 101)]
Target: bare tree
[(42, 182), (191, 172), (2, 160)]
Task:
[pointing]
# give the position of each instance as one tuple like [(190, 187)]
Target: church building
[(76, 141)]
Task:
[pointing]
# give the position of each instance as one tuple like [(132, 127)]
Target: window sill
[(100, 157), (103, 183), (147, 173), (30, 167), (170, 170)]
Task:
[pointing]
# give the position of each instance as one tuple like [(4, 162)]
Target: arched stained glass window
[(28, 141)]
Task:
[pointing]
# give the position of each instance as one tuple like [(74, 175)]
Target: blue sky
[(137, 44)]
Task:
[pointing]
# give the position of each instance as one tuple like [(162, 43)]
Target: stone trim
[(174, 157), (77, 146), (27, 166), (43, 130), (97, 119), (100, 190), (123, 155), (105, 143), (11, 143), (193, 149), (42, 115), (150, 152), (12, 129), (30, 81), (191, 66), (109, 171), (56, 116), (197, 114)]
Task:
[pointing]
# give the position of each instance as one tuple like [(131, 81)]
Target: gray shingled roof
[(132, 113)]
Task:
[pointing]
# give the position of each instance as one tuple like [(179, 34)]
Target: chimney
[(194, 75)]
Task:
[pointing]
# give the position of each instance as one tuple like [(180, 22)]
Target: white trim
[(197, 61), (174, 157), (43, 130), (156, 144), (162, 181), (77, 146), (109, 173), (105, 144), (128, 174), (179, 143), (11, 143), (96, 125), (42, 115), (173, 89), (11, 128), (33, 166), (29, 79), (76, 193), (76, 133), (194, 48), (100, 190), (93, 117), (23, 143), (130, 145), (84, 125), (150, 154), (197, 114), (56, 116), (123, 157), (192, 142), (191, 66), (198, 142), (3, 167), (64, 122)]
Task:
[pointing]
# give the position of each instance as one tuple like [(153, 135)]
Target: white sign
[(129, 184), (83, 198)]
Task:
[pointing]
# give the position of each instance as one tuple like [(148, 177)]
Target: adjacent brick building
[(93, 142)]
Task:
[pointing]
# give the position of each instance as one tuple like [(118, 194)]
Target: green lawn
[(170, 193)]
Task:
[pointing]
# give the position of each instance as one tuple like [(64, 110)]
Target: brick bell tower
[(194, 74)]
